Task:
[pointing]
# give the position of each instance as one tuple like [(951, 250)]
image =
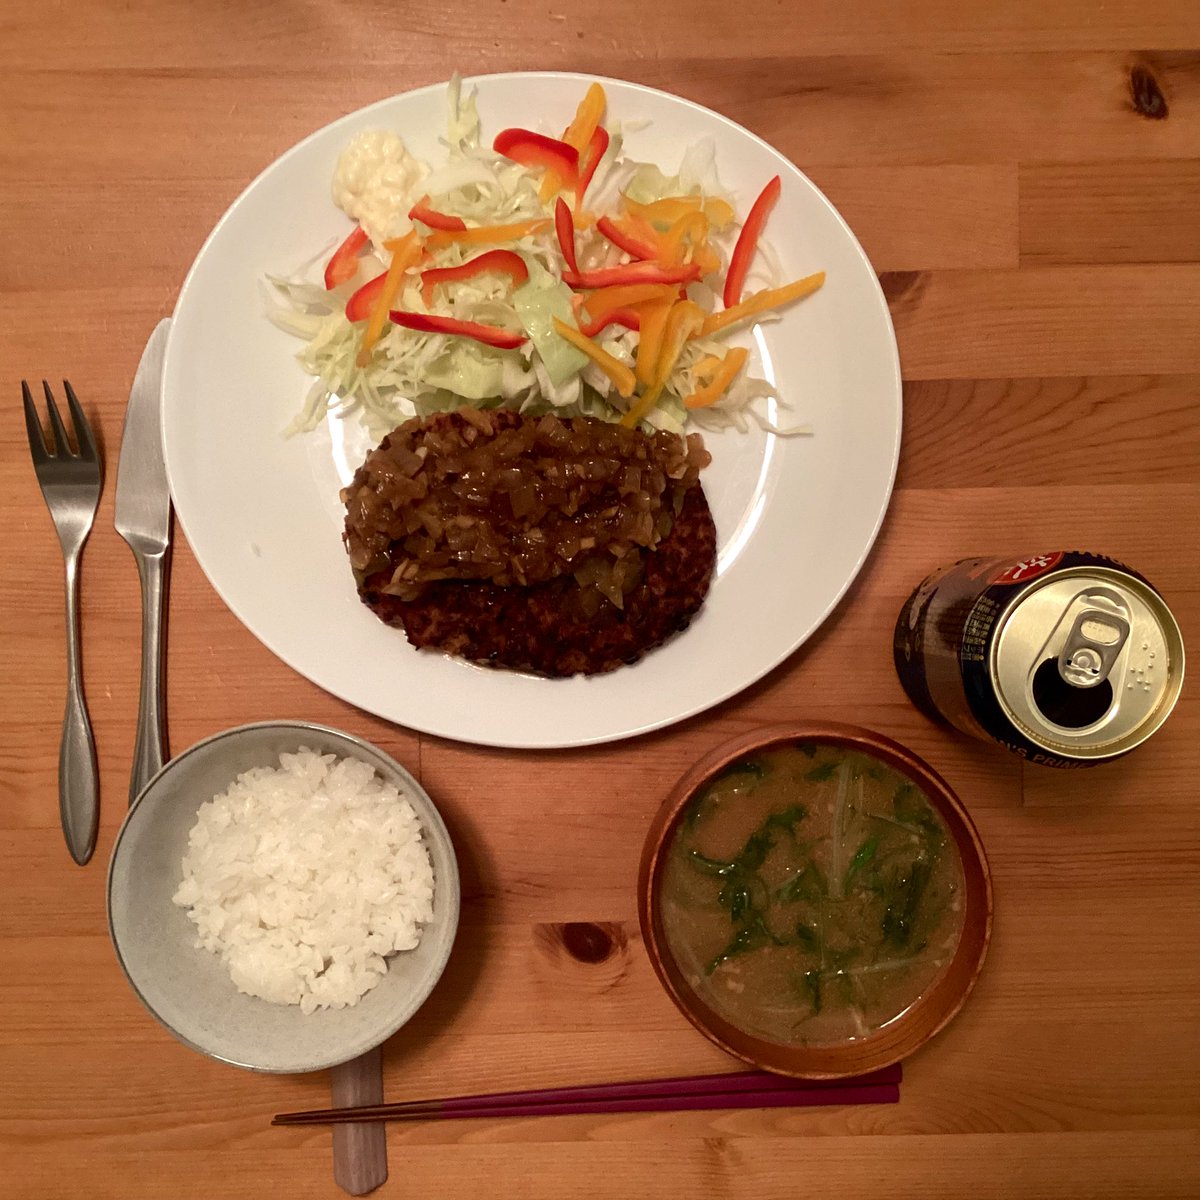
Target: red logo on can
[(1029, 568)]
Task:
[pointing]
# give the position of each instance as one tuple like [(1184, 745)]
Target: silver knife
[(143, 519)]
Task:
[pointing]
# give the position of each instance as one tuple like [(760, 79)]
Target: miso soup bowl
[(930, 1013)]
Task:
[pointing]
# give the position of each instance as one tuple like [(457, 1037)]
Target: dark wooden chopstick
[(745, 1089)]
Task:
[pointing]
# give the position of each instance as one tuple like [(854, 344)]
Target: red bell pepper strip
[(743, 252), (503, 262), (564, 226), (431, 217), (618, 316), (359, 306), (623, 239), (344, 262), (638, 272), (589, 160), (490, 335), (536, 150)]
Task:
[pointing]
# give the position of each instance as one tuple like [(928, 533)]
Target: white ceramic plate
[(795, 516)]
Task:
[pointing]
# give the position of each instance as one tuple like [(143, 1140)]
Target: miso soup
[(810, 894)]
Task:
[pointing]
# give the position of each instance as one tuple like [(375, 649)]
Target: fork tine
[(33, 426), (61, 445), (83, 431)]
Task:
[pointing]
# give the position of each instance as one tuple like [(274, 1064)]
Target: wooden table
[(1025, 179)]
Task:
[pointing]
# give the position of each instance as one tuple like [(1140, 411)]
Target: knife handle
[(150, 750), (359, 1150)]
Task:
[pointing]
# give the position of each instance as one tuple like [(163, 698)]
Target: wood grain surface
[(1024, 176)]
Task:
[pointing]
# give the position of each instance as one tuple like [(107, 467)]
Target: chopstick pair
[(744, 1089)]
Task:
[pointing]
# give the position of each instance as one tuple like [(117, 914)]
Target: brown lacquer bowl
[(937, 1004)]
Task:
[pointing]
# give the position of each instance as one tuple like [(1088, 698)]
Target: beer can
[(1066, 659)]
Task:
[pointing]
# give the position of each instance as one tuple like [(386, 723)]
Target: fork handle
[(149, 751), (78, 778)]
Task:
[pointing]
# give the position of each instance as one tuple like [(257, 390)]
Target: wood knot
[(589, 942), (1146, 95), (901, 286)]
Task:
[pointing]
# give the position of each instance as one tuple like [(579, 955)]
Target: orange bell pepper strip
[(564, 227), (687, 241), (422, 212), (743, 252), (620, 375), (707, 367), (706, 258), (503, 262), (363, 303), (405, 253), (726, 371), (637, 272), (344, 261), (683, 322), (669, 209), (763, 301), (650, 338), (484, 235), (691, 228), (719, 212), (685, 319), (587, 117), (627, 296), (490, 335)]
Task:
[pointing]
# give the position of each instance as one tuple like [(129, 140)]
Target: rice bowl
[(189, 990)]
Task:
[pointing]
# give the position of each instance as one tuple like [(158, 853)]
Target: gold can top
[(1089, 663)]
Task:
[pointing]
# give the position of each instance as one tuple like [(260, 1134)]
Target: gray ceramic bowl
[(189, 989)]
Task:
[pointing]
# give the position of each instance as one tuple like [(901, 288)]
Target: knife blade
[(143, 519)]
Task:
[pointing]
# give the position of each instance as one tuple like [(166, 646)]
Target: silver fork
[(70, 481)]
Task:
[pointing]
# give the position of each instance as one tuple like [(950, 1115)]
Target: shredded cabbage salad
[(540, 273)]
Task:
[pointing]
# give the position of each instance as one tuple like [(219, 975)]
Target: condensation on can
[(1067, 659)]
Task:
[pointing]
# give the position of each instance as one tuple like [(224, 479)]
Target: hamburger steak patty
[(539, 629), (542, 544)]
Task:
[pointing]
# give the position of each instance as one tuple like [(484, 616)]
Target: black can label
[(943, 644)]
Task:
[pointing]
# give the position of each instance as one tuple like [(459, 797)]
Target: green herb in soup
[(811, 894)]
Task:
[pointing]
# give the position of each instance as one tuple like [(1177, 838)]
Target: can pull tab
[(1092, 647)]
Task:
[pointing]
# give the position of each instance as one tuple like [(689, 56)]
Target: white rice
[(304, 879)]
